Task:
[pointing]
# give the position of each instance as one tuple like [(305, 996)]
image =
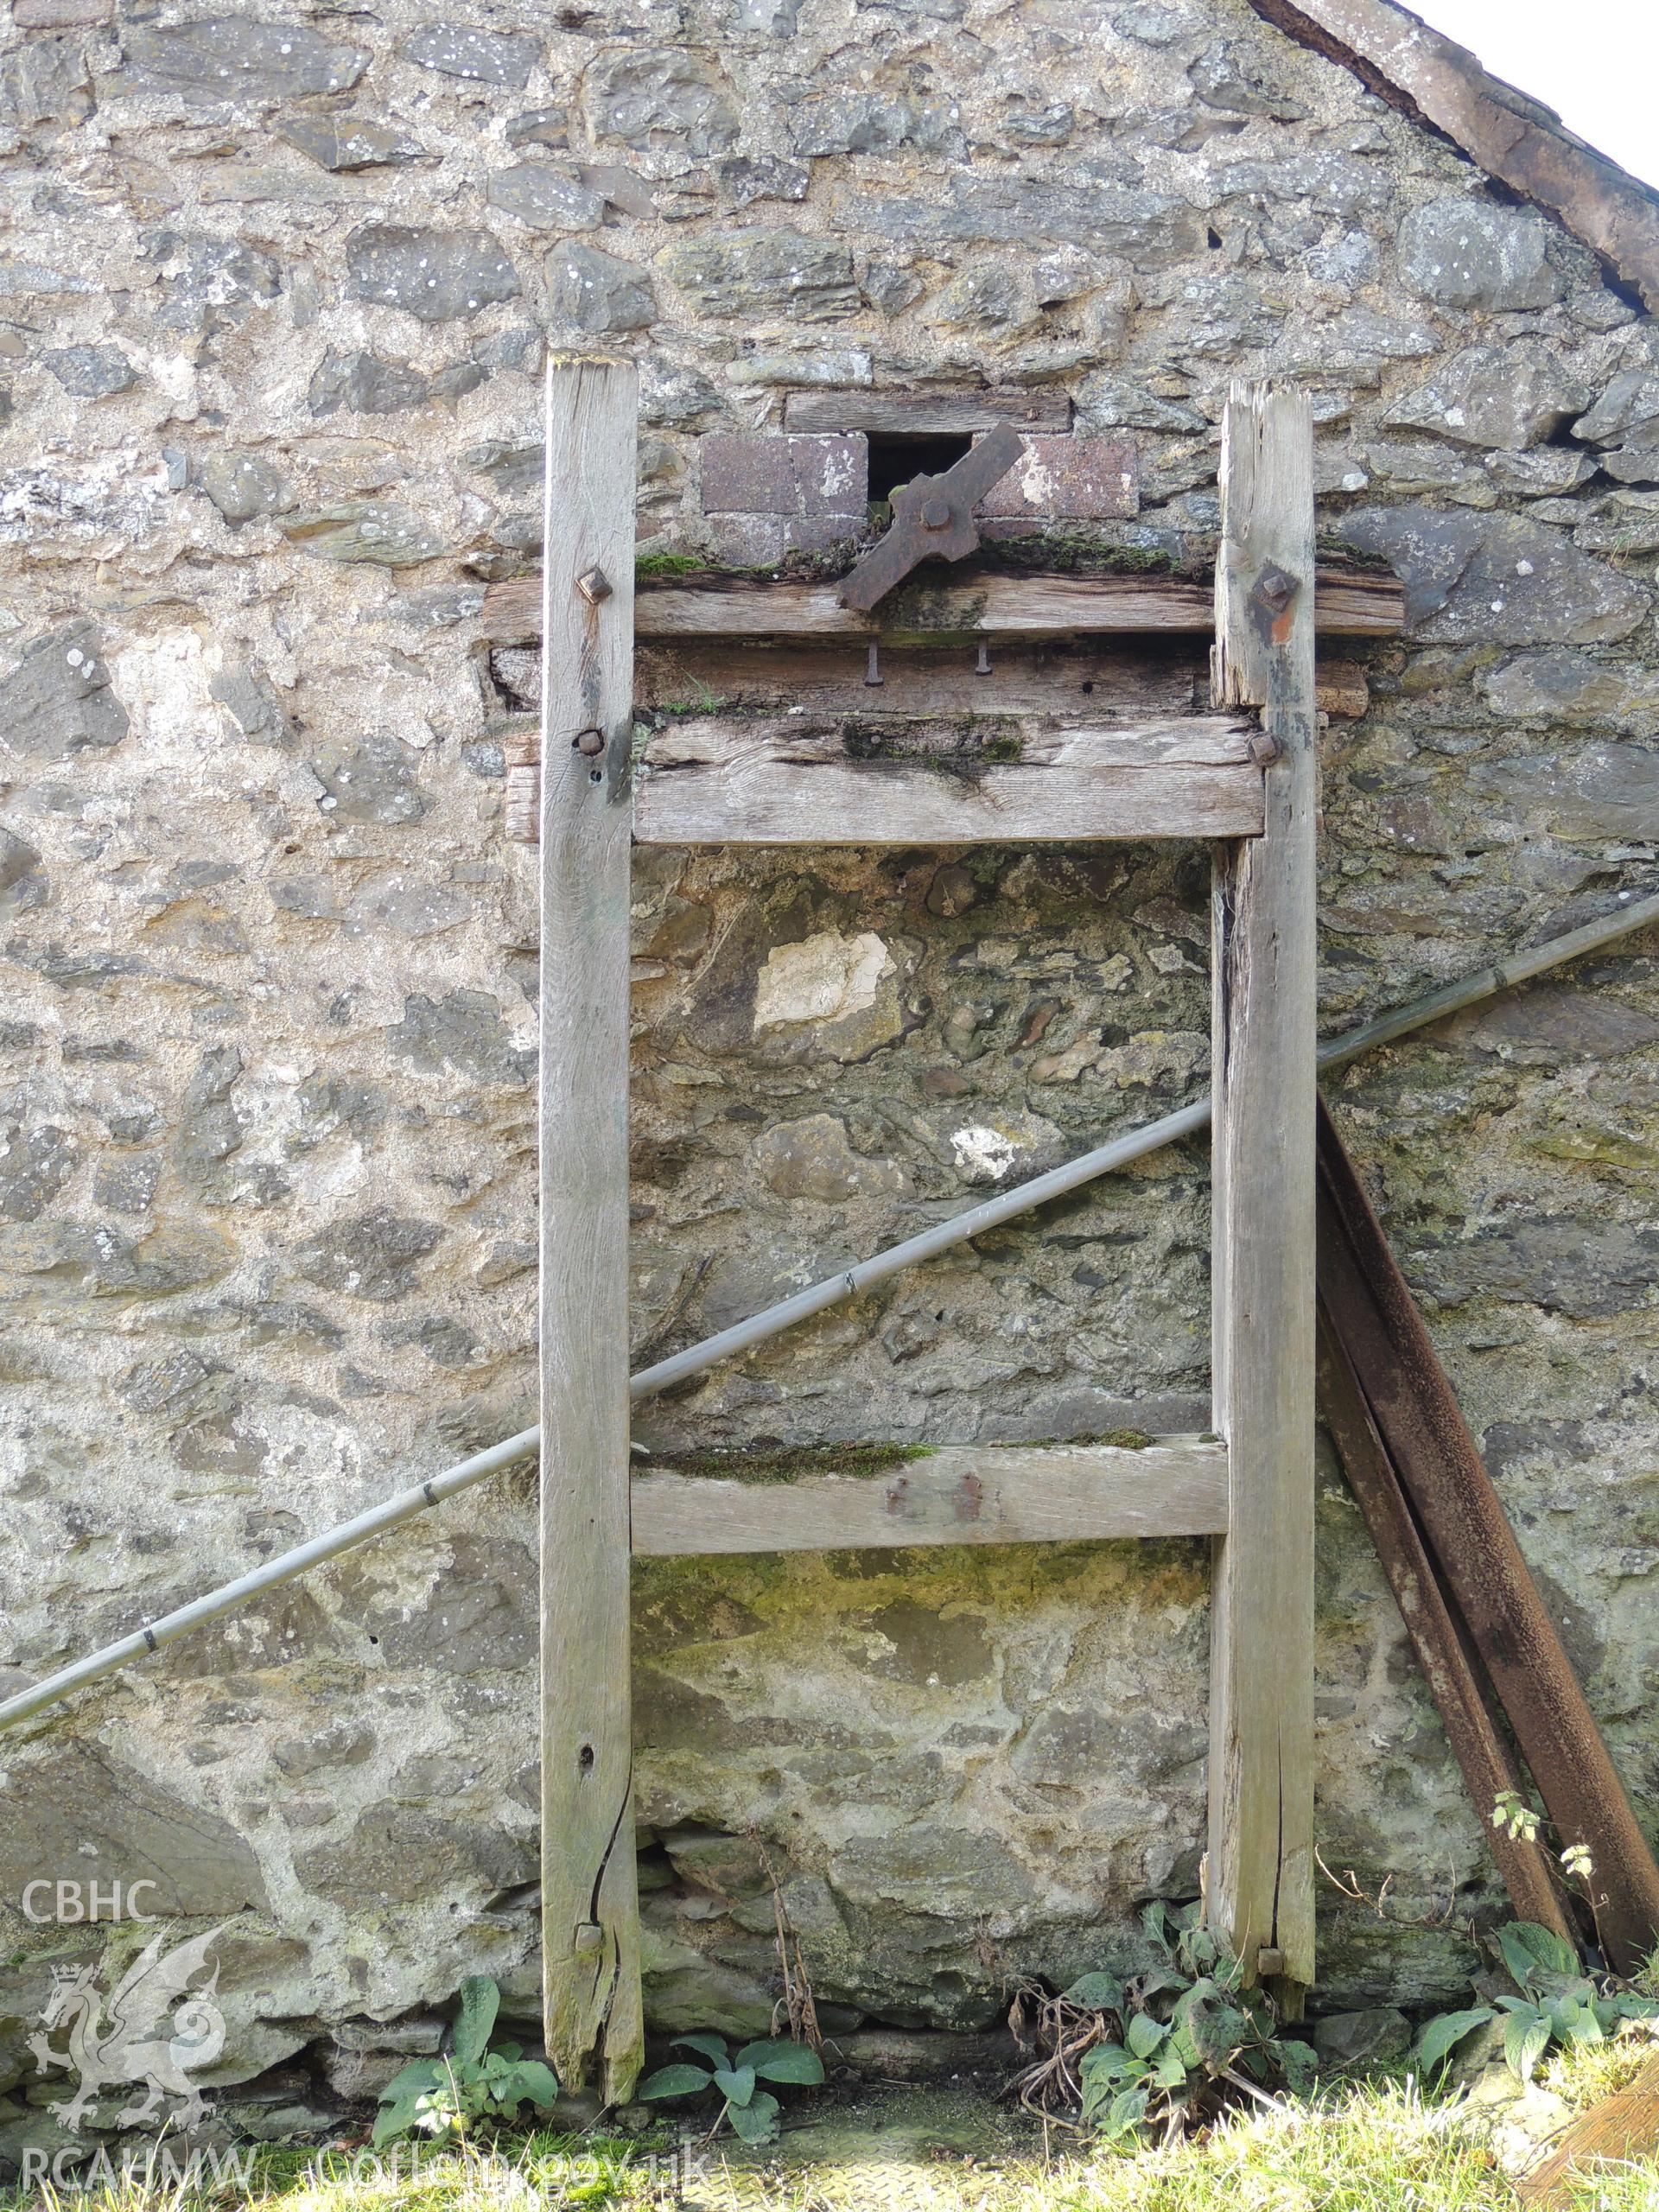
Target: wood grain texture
[(1616, 2130), (873, 780), (1078, 678), (961, 1494), (926, 414), (1464, 1526), (590, 1914), (1457, 1682), (1127, 679), (927, 608), (1261, 1869)]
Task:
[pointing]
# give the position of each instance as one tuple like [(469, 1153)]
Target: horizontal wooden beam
[(933, 606), (961, 1494), (871, 781), (1125, 679), (926, 414)]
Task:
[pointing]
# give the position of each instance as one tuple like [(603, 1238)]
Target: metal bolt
[(1264, 749), (589, 1936), (1275, 588), (594, 585), (589, 741), (936, 514), (873, 666)]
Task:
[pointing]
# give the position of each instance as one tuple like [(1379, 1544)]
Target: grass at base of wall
[(1362, 2147)]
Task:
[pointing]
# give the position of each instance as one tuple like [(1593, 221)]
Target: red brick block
[(769, 474), (1070, 479)]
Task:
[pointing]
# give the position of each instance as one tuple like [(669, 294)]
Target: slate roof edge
[(1515, 140)]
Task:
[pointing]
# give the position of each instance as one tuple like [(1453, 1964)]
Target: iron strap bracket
[(932, 518)]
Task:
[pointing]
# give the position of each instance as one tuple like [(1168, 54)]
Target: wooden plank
[(933, 606), (926, 414), (1261, 1869), (1452, 1667), (872, 780), (1075, 677), (1614, 2131), (1466, 1528), (590, 1914), (961, 1494), (1068, 676)]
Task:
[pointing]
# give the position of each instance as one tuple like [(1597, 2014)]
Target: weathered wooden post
[(1261, 1869), (590, 1921)]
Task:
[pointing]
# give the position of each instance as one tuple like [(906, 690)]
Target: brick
[(767, 473), (834, 474), (1069, 479), (759, 541)]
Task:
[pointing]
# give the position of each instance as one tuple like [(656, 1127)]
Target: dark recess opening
[(894, 461)]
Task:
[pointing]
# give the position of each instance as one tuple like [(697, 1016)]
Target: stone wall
[(276, 300)]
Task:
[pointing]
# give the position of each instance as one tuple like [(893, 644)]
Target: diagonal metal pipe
[(958, 1228)]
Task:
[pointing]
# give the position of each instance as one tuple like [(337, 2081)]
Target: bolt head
[(594, 585), (936, 514)]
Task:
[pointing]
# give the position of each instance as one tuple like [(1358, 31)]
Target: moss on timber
[(790, 1463)]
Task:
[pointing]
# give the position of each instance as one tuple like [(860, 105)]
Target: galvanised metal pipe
[(959, 1229)]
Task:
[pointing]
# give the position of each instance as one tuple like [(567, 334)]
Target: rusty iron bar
[(1457, 1681), (932, 519), (1467, 1532)]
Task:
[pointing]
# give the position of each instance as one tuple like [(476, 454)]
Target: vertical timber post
[(590, 1912), (1260, 1865)]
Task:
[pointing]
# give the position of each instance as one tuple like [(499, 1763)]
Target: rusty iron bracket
[(932, 519)]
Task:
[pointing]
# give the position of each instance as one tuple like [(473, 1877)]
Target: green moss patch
[(790, 1463)]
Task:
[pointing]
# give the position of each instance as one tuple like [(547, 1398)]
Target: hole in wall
[(894, 461)]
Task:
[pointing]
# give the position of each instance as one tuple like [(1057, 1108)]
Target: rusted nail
[(936, 514), (589, 741), (594, 585), (873, 666), (1264, 749), (982, 666)]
